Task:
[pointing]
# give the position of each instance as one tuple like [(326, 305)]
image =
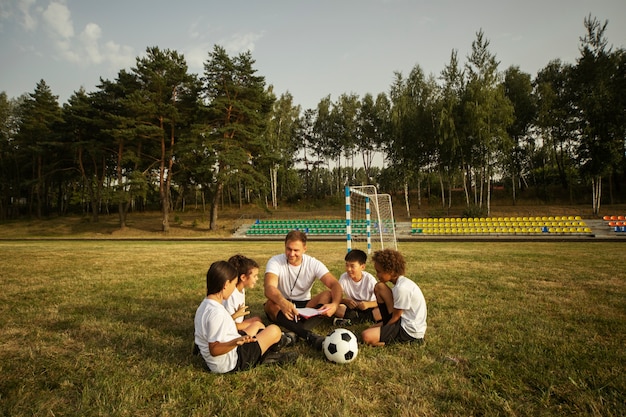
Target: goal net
[(369, 219)]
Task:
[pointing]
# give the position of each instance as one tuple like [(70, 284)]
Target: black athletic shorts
[(300, 303), (362, 315), (390, 333), (248, 356)]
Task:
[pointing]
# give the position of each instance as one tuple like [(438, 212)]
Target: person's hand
[(330, 309), (245, 339), (361, 305), (242, 310), (350, 303), (290, 311)]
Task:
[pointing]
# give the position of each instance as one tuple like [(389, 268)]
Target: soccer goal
[(369, 219)]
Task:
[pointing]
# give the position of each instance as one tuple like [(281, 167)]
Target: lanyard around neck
[(297, 276)]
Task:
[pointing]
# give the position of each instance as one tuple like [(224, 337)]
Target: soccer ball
[(340, 346)]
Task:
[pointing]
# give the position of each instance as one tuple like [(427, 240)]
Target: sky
[(310, 49)]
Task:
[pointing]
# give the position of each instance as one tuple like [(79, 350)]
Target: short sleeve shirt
[(213, 324), (358, 291), (408, 297), (295, 282), (236, 299)]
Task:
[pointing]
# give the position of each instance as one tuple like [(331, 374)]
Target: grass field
[(104, 328)]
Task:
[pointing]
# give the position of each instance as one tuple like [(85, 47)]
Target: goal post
[(370, 225)]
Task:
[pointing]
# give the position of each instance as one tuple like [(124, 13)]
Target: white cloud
[(196, 55), (194, 31), (119, 56), (59, 20), (90, 38), (64, 46), (28, 21), (89, 47), (239, 43)]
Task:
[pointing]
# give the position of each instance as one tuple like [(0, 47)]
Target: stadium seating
[(616, 223), (443, 226), (311, 227), (545, 225), (320, 227)]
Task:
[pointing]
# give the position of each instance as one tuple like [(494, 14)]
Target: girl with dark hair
[(247, 277), (222, 347)]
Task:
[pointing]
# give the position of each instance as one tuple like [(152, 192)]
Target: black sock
[(351, 314), (384, 313), (291, 325)]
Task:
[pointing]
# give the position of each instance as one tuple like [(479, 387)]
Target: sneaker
[(279, 358), (315, 341), (342, 322), (351, 315), (292, 336), (286, 339)]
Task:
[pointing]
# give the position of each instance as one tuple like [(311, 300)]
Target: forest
[(160, 138)]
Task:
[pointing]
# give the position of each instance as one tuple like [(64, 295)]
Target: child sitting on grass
[(359, 301), (403, 307), (216, 336), (247, 277)]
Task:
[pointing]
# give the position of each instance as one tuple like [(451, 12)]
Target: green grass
[(104, 328)]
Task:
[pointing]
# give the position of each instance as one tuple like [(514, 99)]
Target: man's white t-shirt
[(362, 290), (295, 282), (236, 299), (213, 324), (408, 297)]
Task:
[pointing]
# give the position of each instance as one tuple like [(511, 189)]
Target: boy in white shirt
[(359, 301), (403, 307)]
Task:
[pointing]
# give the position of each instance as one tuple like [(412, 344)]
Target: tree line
[(160, 136)]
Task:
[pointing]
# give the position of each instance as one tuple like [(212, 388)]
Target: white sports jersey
[(408, 297), (358, 291), (295, 282), (213, 324), (236, 299)]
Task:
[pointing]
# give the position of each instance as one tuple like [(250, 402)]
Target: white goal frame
[(369, 219)]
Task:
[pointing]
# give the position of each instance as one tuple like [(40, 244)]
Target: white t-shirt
[(295, 282), (213, 324), (408, 297), (358, 291), (236, 299)]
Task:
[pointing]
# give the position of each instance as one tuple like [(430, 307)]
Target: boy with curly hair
[(403, 307)]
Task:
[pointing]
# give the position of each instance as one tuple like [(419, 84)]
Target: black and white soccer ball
[(340, 346)]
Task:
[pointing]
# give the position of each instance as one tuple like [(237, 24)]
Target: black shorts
[(390, 333), (300, 303), (361, 315), (248, 356)]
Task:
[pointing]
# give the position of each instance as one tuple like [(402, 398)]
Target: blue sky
[(310, 48)]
